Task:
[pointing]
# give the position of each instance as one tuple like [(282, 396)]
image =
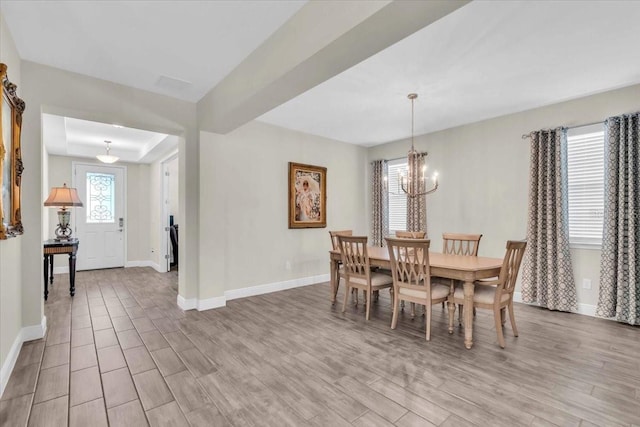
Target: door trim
[(124, 202)]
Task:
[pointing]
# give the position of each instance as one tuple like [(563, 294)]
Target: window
[(397, 197), (100, 195), (586, 184)]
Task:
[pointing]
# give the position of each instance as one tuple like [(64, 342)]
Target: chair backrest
[(511, 265), (411, 234), (355, 258), (409, 261), (334, 237), (460, 244)]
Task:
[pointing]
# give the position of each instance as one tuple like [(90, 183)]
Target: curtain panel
[(547, 278), (380, 203), (619, 295), (417, 206)]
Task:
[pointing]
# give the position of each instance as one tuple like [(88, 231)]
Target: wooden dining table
[(465, 268)]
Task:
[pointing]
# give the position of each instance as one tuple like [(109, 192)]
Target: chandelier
[(414, 181), (107, 158)]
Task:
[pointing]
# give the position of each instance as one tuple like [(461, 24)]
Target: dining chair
[(459, 244), (357, 270), (411, 234), (496, 294), (336, 247), (412, 279)]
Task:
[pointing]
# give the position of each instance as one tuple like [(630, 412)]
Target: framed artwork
[(11, 109), (307, 196)]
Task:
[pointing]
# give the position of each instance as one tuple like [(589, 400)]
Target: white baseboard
[(155, 266), (585, 309), (147, 263), (27, 333), (187, 304), (216, 302), (201, 305), (61, 270), (35, 332), (209, 303), (274, 287)]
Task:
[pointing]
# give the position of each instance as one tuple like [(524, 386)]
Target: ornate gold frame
[(11, 109), (317, 197)]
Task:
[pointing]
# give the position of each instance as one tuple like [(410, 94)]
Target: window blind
[(586, 184), (397, 197)]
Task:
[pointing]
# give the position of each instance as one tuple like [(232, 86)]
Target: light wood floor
[(123, 354)]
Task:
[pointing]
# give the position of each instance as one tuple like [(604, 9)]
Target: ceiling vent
[(173, 84)]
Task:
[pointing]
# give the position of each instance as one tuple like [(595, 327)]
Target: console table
[(54, 247)]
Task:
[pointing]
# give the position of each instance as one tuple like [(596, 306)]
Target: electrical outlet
[(586, 283), (287, 265)]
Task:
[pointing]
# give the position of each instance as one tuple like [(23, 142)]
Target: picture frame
[(11, 167), (307, 196)]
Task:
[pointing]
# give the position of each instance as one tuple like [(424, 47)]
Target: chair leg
[(513, 319), (413, 309), (355, 294), (396, 309), (428, 326), (368, 304), (503, 315), (498, 321), (335, 291), (452, 312), (460, 314), (346, 298)]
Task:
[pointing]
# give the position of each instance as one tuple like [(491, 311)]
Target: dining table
[(465, 268)]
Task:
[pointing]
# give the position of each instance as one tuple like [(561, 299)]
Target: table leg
[(333, 267), (72, 274), (51, 269), (468, 314), (46, 276)]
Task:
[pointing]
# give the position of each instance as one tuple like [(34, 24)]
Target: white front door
[(100, 223)]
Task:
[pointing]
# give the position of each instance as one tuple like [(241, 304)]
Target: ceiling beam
[(322, 40)]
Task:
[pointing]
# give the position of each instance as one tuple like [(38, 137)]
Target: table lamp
[(63, 197)]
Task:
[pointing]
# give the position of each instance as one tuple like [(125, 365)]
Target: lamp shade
[(63, 196)]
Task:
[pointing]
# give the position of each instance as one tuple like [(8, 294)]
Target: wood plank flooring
[(121, 353)]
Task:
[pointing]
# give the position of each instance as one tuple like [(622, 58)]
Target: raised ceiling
[(486, 59)]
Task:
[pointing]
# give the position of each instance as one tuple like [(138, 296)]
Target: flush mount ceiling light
[(107, 158)]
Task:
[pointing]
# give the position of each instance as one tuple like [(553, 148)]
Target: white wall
[(10, 249), (484, 175), (138, 192), (244, 201), (174, 178)]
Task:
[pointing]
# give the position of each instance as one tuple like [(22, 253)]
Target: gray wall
[(11, 249), (484, 175), (244, 202)]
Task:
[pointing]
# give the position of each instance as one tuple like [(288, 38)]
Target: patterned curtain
[(417, 206), (547, 278), (380, 203), (620, 262)]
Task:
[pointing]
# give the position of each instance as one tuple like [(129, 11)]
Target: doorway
[(170, 214), (100, 223)]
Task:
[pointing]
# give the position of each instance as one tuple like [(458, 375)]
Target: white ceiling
[(177, 48), (65, 136), (484, 60)]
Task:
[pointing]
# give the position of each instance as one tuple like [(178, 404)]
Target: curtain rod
[(525, 136)]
